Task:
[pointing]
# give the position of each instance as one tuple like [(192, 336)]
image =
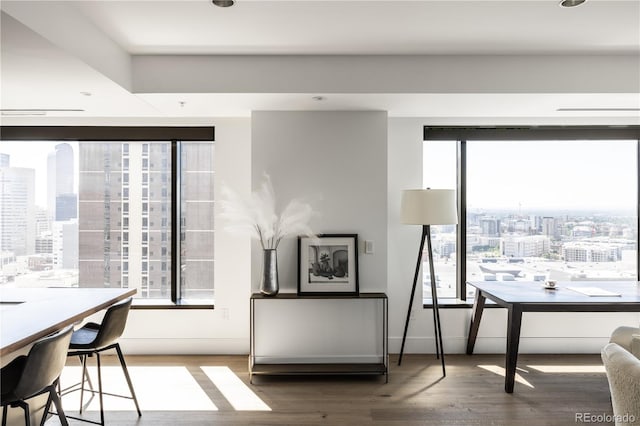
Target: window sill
[(167, 304)]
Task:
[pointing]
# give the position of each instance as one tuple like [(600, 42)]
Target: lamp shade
[(429, 207)]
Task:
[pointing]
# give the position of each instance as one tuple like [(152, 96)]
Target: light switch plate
[(368, 246)]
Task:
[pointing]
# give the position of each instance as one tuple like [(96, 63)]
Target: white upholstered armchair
[(623, 374), (628, 338)]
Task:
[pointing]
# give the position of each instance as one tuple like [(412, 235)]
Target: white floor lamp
[(427, 207)]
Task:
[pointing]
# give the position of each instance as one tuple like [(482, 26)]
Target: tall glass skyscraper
[(125, 216), (17, 209), (62, 202)]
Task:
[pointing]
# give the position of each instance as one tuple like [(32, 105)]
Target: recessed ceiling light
[(223, 3), (571, 3)]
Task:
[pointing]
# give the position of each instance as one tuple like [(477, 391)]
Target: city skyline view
[(103, 216), (33, 155), (549, 211), (589, 228), (563, 247), (537, 210)]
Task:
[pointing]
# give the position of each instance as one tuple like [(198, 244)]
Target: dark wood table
[(518, 297), (27, 314)]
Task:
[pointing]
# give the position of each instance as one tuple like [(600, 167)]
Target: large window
[(535, 209), (440, 173), (101, 214), (563, 210)]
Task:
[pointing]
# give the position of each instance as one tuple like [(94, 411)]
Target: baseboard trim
[(497, 345), (184, 346)]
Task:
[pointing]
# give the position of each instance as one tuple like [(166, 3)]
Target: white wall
[(337, 160), (352, 166)]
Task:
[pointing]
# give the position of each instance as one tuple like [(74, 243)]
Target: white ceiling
[(45, 66), (367, 27)]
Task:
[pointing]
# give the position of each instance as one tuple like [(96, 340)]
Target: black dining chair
[(93, 339), (36, 373)]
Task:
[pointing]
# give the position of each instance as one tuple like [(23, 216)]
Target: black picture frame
[(328, 265)]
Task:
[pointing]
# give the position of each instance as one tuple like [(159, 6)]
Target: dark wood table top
[(320, 296), (533, 293), (27, 314)]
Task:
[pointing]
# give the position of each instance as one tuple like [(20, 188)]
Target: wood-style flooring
[(215, 390)]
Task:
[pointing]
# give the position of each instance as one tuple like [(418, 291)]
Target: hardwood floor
[(203, 390)]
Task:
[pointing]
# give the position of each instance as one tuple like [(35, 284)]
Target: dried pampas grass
[(257, 215)]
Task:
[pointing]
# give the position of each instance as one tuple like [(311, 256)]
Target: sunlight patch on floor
[(568, 368), (500, 371), (158, 388), (239, 395)]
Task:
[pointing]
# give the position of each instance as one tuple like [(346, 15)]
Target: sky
[(32, 154), (522, 175), (530, 175)]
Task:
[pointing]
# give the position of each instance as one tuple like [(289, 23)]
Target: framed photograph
[(328, 264)]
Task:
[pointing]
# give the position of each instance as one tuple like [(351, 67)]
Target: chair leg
[(83, 359), (45, 412), (27, 416), (4, 415), (58, 403), (100, 388), (126, 375)]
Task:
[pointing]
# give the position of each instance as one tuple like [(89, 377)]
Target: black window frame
[(465, 134), (175, 135)]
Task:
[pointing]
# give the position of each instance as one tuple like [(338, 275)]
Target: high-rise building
[(66, 207), (125, 218), (44, 243), (4, 160), (549, 227), (65, 244), (43, 222), (446, 247), (61, 200), (525, 245), (17, 210), (585, 251), (490, 226)]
